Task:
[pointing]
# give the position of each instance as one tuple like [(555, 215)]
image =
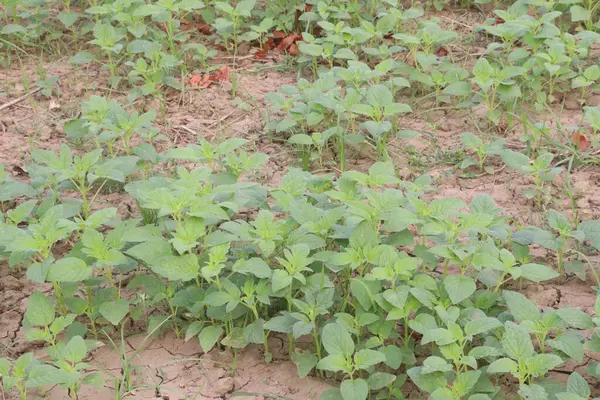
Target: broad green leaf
[(281, 323), (540, 364), (516, 342), (174, 268), (579, 13), (365, 358), (515, 159), (209, 336), (533, 392), (331, 394), (356, 389), (337, 340), (254, 332), (427, 382), (459, 288), (44, 374), (69, 269), (40, 310), (333, 362), (361, 292), (569, 343), (575, 317), (114, 311), (75, 350), (481, 325), (538, 272), (465, 381), (379, 380), (578, 385), (521, 307), (502, 366), (305, 361)]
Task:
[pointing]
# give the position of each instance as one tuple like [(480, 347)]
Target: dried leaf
[(205, 80), (581, 141)]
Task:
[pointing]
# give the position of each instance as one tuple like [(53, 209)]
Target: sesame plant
[(386, 283)]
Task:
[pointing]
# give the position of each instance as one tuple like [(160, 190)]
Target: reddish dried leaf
[(269, 45), (195, 80), (308, 7), (293, 50), (261, 54), (279, 35), (221, 74), (442, 51), (581, 141), (286, 42), (499, 21), (185, 26), (203, 27), (205, 80)]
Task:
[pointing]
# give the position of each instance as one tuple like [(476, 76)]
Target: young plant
[(482, 150), (540, 168)]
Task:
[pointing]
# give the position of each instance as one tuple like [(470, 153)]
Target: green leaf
[(569, 343), (40, 310), (458, 89), (365, 358), (361, 292), (356, 389), (591, 229), (516, 342), (578, 385), (538, 272), (575, 317), (540, 364), (193, 329), (75, 350), (533, 392), (9, 29), (502, 366), (379, 380), (331, 394), (174, 268), (481, 325), (209, 336), (281, 323), (514, 159), (459, 288), (69, 269), (465, 381), (393, 356), (254, 332), (281, 280), (305, 361), (4, 367), (337, 340), (521, 307), (114, 311), (68, 19), (427, 382), (579, 13), (333, 363), (44, 374)]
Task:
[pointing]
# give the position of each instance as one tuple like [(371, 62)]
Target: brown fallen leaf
[(581, 141), (208, 78)]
